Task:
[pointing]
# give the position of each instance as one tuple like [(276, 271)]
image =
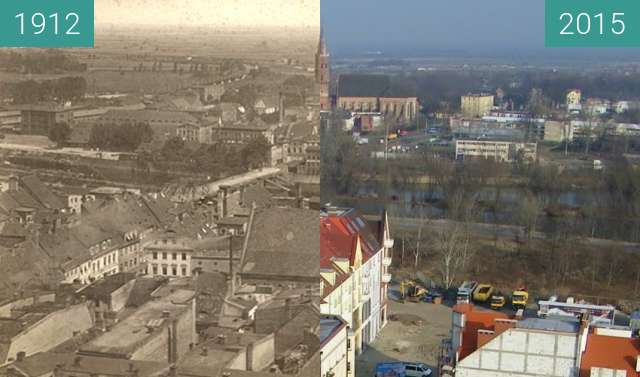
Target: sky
[(290, 13), (433, 24)]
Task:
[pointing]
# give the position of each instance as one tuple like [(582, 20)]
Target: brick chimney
[(14, 184)]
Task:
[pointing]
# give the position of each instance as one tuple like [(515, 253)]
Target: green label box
[(46, 23)]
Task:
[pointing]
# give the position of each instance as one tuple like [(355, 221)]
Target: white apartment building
[(354, 276), (336, 347), (506, 151)]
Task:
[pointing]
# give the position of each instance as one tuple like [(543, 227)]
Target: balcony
[(388, 243), (386, 261), (386, 278)]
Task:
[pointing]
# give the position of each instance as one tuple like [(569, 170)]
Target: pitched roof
[(610, 352), (283, 242), (367, 85)]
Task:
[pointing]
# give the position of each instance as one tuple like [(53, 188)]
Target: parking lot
[(413, 334)]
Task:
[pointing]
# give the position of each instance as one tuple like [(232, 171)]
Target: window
[(174, 256), (184, 271), (155, 255), (164, 255), (174, 271), (164, 270), (184, 256), (155, 269)]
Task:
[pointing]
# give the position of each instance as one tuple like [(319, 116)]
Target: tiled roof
[(283, 242), (610, 352)]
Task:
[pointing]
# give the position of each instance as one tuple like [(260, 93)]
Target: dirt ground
[(413, 333)]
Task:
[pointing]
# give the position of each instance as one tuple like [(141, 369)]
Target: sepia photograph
[(160, 194)]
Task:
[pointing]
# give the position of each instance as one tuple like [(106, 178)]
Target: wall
[(120, 296), (5, 310), (52, 330), (519, 351), (262, 353), (335, 355)]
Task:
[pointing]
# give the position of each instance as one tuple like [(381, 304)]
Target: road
[(502, 231)]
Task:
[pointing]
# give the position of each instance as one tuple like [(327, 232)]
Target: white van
[(416, 370)]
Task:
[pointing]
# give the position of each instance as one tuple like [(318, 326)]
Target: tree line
[(59, 90)]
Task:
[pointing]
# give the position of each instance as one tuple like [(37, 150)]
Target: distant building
[(151, 117), (195, 133), (558, 132), (377, 94), (597, 106), (209, 93), (241, 133), (38, 119), (574, 100), (506, 151), (476, 105)]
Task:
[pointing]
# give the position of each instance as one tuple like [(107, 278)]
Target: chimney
[(204, 352), (166, 314), (221, 339), (20, 356), (130, 367), (249, 356), (13, 183), (287, 309), (281, 108), (76, 361), (174, 341)]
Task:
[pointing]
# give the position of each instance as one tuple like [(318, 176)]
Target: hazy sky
[(433, 24), (304, 13)]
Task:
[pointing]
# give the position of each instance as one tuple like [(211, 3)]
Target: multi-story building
[(574, 100), (354, 257), (168, 256), (507, 151), (195, 133), (476, 105), (37, 119), (240, 133), (336, 345)]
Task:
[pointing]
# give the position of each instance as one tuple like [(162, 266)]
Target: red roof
[(338, 238), (475, 320), (610, 352)]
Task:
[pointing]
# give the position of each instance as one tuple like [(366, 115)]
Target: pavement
[(413, 334)]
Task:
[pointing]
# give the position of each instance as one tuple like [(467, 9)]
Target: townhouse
[(354, 257)]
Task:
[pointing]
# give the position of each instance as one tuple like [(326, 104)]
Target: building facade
[(354, 257), (505, 151), (476, 105)]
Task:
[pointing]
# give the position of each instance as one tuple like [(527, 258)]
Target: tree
[(452, 250), (59, 133), (256, 153)]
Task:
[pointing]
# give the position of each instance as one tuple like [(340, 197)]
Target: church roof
[(367, 85)]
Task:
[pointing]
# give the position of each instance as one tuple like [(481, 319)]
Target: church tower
[(323, 74)]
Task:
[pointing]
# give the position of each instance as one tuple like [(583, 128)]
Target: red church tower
[(323, 74)]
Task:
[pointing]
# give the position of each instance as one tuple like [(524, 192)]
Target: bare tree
[(452, 248)]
